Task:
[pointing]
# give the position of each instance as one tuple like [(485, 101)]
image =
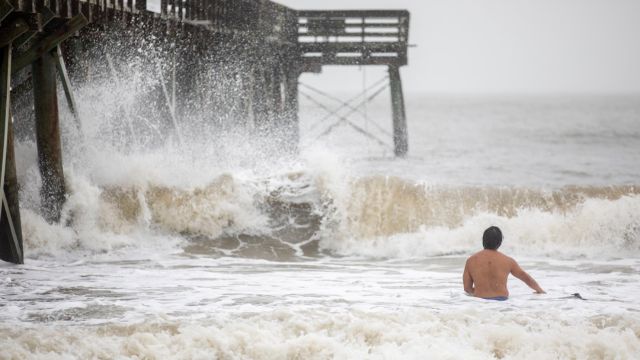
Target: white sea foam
[(283, 334), (375, 216), (596, 228)]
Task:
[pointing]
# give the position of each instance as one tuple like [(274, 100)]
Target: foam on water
[(282, 334)]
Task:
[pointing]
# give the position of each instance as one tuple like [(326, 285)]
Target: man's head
[(492, 238)]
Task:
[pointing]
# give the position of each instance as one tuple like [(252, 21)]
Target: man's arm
[(517, 271), (467, 280)]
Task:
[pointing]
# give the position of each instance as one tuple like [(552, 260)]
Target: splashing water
[(222, 246)]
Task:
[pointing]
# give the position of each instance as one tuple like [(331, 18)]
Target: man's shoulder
[(475, 255), (507, 257), (507, 260), (482, 254)]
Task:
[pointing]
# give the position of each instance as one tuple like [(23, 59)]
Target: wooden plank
[(195, 10), (11, 193), (54, 5), (335, 47), (5, 9), (14, 245), (64, 8), (13, 31), (314, 64), (140, 6), (26, 6), (76, 8), (86, 8), (353, 13), (353, 34), (66, 84), (36, 23), (11, 202), (5, 101), (39, 4), (16, 248), (370, 26), (49, 42)]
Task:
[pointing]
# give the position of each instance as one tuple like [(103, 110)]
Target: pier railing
[(353, 37), (216, 15)]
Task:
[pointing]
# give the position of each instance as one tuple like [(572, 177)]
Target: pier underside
[(257, 48)]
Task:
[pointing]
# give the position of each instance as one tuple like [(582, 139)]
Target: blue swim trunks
[(498, 298)]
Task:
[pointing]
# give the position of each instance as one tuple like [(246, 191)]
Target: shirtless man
[(486, 272)]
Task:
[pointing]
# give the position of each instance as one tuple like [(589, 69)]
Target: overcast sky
[(508, 46)]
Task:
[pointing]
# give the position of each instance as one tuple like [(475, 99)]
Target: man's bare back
[(486, 272)]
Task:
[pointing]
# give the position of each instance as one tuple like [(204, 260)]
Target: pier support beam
[(52, 192), (400, 133), (291, 108), (269, 94), (66, 84), (276, 90), (10, 229), (10, 222), (259, 102)]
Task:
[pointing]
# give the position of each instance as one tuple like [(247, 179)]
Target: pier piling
[(10, 230), (45, 98), (400, 136), (11, 204), (291, 107)]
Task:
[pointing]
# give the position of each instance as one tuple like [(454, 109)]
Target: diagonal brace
[(5, 101), (16, 249), (5, 98), (344, 118), (66, 84), (5, 9), (353, 108), (36, 22), (344, 104), (17, 28), (49, 42)]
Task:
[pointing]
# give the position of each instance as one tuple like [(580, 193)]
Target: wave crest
[(302, 213)]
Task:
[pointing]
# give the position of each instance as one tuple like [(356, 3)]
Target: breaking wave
[(311, 213)]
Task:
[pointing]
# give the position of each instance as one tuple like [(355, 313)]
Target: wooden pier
[(42, 41), (362, 38)]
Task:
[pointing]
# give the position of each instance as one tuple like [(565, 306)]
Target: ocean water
[(222, 248)]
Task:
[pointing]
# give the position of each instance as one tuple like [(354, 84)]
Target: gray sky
[(507, 46)]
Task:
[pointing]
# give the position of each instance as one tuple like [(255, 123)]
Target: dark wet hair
[(492, 238)]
